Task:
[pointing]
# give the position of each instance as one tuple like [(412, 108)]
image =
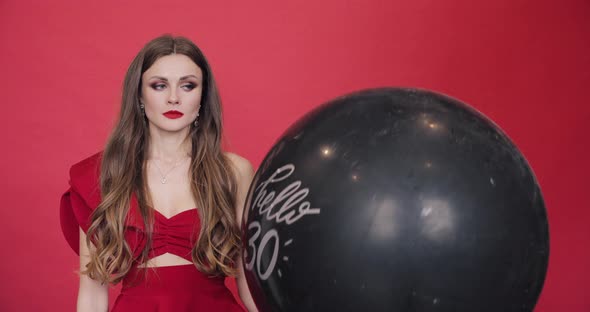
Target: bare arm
[(245, 173), (92, 295)]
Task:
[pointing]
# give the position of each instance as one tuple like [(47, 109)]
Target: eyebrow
[(181, 78)]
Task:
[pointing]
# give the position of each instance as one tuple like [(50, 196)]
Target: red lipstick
[(173, 114)]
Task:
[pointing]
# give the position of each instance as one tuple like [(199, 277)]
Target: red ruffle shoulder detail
[(80, 200)]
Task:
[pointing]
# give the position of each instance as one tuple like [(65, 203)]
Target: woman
[(130, 211)]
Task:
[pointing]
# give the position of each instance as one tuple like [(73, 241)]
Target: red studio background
[(523, 63)]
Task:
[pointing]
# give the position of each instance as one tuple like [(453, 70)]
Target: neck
[(169, 146)]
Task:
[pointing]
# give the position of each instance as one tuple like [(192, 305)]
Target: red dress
[(171, 288)]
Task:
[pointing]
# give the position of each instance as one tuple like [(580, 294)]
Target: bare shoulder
[(242, 166), (244, 174)]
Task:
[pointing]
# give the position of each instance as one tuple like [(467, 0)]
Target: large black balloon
[(395, 200)]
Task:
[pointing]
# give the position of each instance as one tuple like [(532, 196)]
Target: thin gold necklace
[(164, 179)]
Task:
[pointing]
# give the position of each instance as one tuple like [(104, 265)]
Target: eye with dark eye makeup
[(189, 86), (157, 86)]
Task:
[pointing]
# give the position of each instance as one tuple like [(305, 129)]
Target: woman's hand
[(92, 295)]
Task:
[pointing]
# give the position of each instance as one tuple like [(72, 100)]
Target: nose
[(173, 98)]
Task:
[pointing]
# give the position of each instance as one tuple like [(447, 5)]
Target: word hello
[(287, 200)]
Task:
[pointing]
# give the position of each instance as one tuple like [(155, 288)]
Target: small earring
[(196, 123), (142, 108)]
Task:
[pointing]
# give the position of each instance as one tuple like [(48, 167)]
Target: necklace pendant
[(164, 181)]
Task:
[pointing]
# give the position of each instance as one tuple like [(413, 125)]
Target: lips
[(173, 114)]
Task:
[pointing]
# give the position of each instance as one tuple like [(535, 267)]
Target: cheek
[(151, 98), (194, 100)]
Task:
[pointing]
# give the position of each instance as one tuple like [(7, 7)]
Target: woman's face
[(171, 92)]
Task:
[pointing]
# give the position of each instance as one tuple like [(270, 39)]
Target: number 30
[(257, 254)]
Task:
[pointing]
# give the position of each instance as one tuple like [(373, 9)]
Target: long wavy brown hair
[(123, 171)]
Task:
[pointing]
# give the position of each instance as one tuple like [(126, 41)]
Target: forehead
[(173, 66)]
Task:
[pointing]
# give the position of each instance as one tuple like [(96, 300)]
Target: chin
[(170, 128)]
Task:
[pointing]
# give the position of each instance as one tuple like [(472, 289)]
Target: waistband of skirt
[(169, 280)]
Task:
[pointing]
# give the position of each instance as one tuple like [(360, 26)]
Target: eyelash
[(157, 86), (190, 85)]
